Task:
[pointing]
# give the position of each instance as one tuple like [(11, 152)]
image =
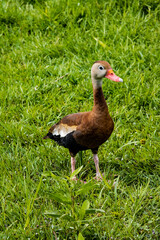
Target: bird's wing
[(67, 124)]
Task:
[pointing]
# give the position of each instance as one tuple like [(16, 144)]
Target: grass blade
[(76, 172)]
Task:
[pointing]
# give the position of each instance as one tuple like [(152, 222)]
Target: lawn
[(47, 50)]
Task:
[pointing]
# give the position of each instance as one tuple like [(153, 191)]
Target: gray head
[(100, 70)]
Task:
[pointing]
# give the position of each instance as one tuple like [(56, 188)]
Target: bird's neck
[(99, 100), (97, 83)]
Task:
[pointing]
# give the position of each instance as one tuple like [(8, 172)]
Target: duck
[(87, 130)]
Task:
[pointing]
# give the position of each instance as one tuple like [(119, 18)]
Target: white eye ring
[(100, 67)]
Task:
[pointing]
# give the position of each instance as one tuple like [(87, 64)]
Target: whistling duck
[(87, 130)]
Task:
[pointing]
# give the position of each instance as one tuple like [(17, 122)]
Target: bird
[(87, 130)]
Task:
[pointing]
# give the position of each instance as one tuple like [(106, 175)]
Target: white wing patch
[(63, 130)]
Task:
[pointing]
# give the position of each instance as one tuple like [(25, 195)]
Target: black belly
[(68, 142)]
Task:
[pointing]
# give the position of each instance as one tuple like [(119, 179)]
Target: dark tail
[(49, 135), (46, 136)]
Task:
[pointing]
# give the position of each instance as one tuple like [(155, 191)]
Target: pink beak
[(110, 75)]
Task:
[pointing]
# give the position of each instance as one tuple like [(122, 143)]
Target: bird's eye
[(101, 68)]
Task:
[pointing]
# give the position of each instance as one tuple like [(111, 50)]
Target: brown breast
[(94, 130)]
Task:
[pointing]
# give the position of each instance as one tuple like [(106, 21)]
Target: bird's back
[(81, 131)]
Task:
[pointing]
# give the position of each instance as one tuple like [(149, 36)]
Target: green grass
[(47, 50)]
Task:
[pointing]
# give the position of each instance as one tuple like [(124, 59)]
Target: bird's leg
[(96, 161), (73, 164)]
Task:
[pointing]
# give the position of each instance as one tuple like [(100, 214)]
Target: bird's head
[(102, 69)]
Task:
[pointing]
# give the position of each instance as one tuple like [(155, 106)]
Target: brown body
[(90, 129)]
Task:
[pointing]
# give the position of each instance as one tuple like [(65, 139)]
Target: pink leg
[(73, 163), (96, 161)]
